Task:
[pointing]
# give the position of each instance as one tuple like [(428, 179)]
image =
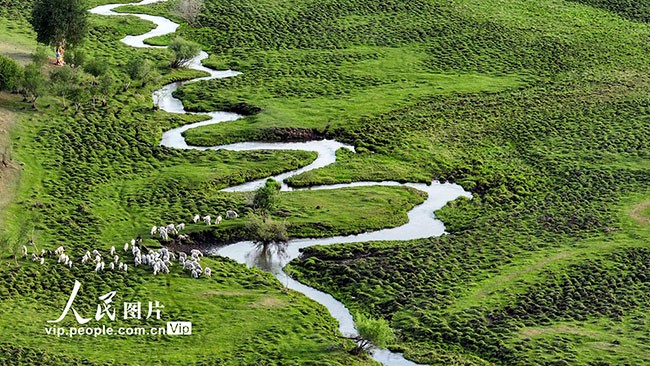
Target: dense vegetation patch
[(635, 10), (550, 152), (539, 109)]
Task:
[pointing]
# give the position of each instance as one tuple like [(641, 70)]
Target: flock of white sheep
[(158, 260)]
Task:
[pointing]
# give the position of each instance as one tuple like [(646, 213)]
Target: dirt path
[(638, 213), (9, 170)]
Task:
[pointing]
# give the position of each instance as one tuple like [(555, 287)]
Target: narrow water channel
[(421, 224)]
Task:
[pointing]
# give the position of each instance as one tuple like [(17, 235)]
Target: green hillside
[(539, 109)]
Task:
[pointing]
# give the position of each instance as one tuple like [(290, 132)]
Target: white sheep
[(24, 251), (98, 267), (42, 260), (218, 220), (180, 226), (59, 250), (207, 271), (35, 257), (126, 267), (116, 259), (231, 214), (126, 246), (196, 218), (153, 230), (207, 219), (113, 250)]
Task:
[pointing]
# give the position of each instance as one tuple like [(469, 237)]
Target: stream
[(421, 224)]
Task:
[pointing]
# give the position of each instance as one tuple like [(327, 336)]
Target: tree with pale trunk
[(189, 10)]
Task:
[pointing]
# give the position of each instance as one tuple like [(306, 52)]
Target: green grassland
[(97, 177), (540, 109)]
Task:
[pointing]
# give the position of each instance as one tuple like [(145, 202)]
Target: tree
[(266, 231), (189, 10), (75, 57), (183, 52), (33, 83), (96, 67), (60, 22), (103, 88), (64, 79), (138, 69), (40, 55), (372, 332), (79, 90), (10, 74), (265, 199)]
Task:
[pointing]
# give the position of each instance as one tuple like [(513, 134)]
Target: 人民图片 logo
[(106, 308)]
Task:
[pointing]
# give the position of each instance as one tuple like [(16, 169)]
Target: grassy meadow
[(539, 109)]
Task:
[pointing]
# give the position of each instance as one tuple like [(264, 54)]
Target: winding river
[(421, 224)]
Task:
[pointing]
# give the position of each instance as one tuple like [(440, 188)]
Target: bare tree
[(189, 10)]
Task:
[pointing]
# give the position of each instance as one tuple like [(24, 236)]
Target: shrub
[(10, 74), (183, 52)]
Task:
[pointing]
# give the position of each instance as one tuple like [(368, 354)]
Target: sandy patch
[(532, 332), (638, 215), (225, 293), (269, 302)]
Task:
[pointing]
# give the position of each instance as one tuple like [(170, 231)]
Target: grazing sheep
[(183, 237), (112, 266), (116, 259), (24, 251), (126, 267), (59, 250), (126, 246), (42, 252), (180, 226), (98, 258), (132, 242), (112, 250), (207, 271), (34, 257), (42, 260), (218, 220), (196, 218), (98, 267), (231, 214), (207, 219), (171, 228), (95, 252), (153, 230)]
